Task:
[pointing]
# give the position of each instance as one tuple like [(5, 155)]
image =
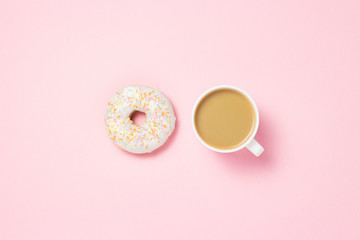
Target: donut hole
[(137, 117)]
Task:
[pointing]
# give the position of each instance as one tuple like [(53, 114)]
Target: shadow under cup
[(225, 118)]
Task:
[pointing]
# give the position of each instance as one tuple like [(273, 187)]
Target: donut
[(153, 133)]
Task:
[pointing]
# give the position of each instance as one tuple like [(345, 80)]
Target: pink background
[(62, 177)]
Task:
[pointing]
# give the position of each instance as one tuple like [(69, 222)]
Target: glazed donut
[(159, 121)]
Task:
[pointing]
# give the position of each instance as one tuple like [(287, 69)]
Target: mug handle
[(255, 147)]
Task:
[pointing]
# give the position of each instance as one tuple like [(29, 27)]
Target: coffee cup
[(225, 119)]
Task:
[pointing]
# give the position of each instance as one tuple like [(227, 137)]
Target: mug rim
[(201, 97)]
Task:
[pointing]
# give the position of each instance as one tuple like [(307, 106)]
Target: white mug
[(251, 143)]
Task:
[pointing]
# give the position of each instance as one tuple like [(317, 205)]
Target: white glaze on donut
[(158, 125)]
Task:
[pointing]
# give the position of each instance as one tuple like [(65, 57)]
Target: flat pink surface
[(62, 177)]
